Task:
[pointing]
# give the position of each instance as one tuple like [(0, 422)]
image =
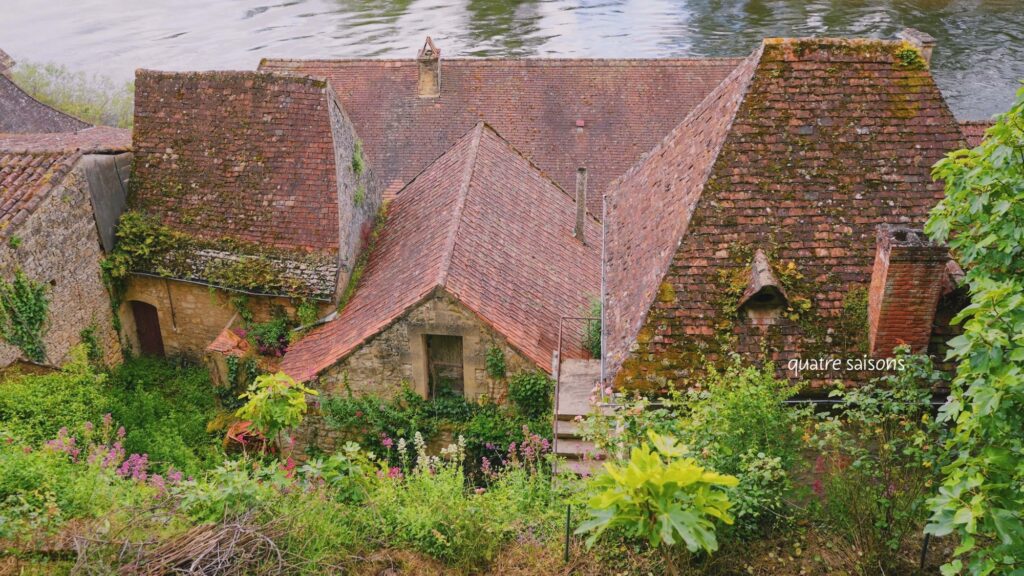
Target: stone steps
[(577, 382)]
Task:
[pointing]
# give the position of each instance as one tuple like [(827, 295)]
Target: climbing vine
[(364, 257), (495, 361), (23, 310)]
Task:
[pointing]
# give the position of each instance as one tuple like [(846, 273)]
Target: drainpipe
[(603, 297)]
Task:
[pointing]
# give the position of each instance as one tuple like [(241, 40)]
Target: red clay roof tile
[(485, 226), (625, 106)]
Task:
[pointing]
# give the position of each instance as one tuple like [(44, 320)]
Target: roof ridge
[(460, 203)]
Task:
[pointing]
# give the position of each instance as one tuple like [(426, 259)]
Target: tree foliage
[(982, 220), (275, 403)]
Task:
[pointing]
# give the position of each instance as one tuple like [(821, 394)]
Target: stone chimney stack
[(581, 204), (906, 284), (922, 40), (429, 60)]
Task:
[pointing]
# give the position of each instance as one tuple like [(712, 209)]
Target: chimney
[(906, 283), (923, 41), (581, 203), (429, 60)]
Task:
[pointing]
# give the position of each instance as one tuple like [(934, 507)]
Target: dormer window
[(764, 300)]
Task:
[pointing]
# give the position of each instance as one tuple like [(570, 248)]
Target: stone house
[(778, 219), (258, 187), (60, 197), (745, 203), (480, 250)]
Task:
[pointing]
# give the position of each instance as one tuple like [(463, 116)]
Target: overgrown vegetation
[(981, 217), (95, 99), (24, 304), (592, 330)]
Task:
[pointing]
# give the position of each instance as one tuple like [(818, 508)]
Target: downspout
[(604, 307)]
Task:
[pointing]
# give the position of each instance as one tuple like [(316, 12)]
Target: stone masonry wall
[(359, 195), (397, 357), (191, 315), (58, 245)]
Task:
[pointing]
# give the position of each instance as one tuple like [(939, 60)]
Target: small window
[(445, 371)]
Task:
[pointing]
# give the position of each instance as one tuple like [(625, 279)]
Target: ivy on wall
[(364, 257), (23, 311)]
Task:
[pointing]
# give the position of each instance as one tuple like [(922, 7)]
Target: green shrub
[(275, 403), (230, 490), (269, 338), (734, 422), (166, 406), (376, 423), (879, 458), (530, 393), (661, 497), (34, 407)]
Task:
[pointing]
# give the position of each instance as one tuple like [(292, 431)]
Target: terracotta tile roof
[(649, 208), (974, 130), (830, 139), (20, 112), (625, 106), (31, 164), (240, 155), (483, 225)]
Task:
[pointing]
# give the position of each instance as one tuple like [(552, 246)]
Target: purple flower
[(386, 441), (120, 432), (108, 419), (134, 467), (173, 476)]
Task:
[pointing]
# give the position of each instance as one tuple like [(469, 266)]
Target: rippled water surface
[(978, 62)]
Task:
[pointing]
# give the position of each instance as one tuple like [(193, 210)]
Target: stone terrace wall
[(59, 246), (191, 315)]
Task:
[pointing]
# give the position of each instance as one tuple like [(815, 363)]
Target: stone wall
[(359, 195), (398, 355), (191, 315), (58, 245)]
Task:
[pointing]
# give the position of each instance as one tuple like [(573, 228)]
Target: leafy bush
[(530, 392), (879, 458), (275, 403), (661, 497), (166, 407), (34, 407), (230, 490), (95, 99), (269, 338), (734, 421), (981, 217)]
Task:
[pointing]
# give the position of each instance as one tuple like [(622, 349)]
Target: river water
[(978, 61)]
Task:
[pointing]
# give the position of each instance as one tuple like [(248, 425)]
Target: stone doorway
[(147, 327), (445, 369)]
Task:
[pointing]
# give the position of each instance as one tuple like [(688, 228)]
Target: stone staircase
[(577, 381)]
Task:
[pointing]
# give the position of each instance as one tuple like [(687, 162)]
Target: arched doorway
[(147, 327)]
